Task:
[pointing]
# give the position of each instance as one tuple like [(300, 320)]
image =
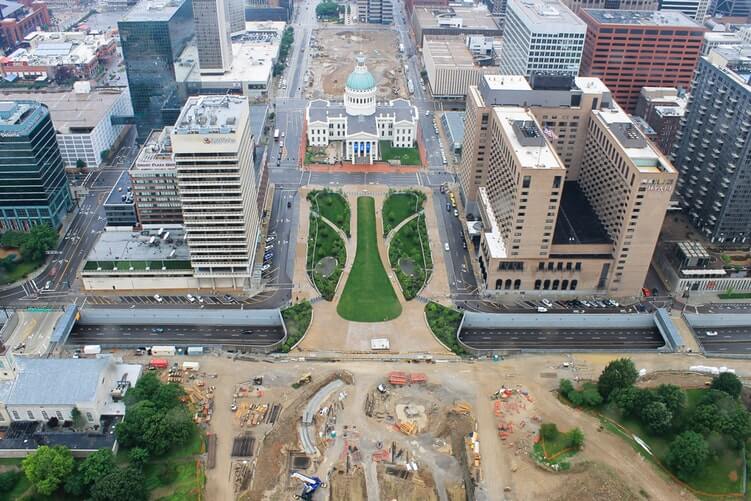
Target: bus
[(276, 134)]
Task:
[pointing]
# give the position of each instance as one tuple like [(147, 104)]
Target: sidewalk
[(376, 168)]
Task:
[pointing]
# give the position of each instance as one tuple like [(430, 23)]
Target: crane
[(309, 485)]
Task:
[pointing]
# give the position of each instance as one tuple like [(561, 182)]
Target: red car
[(646, 292)]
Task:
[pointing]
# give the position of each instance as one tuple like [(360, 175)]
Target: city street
[(566, 339), (174, 334)]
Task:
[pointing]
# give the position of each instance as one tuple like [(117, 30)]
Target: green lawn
[(407, 156), (368, 295), (399, 206), (176, 475), (296, 319), (412, 242), (324, 241), (444, 322), (333, 206), (714, 478), (19, 271), (735, 295)]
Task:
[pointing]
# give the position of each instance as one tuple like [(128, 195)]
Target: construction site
[(289, 428), (333, 54)]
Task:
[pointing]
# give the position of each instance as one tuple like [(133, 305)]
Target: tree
[(122, 484), (687, 454), (12, 239), (620, 373), (673, 397), (729, 383), (80, 164), (565, 386), (47, 467), (79, 423), (8, 262), (40, 239), (656, 418), (576, 438), (591, 397), (736, 425), (627, 400), (548, 431), (9, 479), (96, 466), (138, 457)]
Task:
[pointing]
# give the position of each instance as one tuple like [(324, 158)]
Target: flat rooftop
[(211, 115), (448, 51), (577, 222), (470, 17), (547, 16), (118, 245), (49, 49), (156, 152), (635, 145), (588, 85), (735, 60), (72, 112), (160, 10), (454, 124), (642, 17), (526, 139), (122, 188)]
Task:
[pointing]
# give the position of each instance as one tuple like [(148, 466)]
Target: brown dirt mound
[(594, 481)]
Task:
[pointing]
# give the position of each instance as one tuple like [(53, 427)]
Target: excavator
[(309, 485)]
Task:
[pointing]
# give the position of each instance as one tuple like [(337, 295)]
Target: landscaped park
[(697, 435), (409, 247), (368, 295), (326, 248)]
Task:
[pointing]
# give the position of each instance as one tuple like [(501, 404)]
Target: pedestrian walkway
[(376, 168)]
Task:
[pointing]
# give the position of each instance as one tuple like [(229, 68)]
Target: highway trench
[(729, 340), (566, 339), (175, 334)]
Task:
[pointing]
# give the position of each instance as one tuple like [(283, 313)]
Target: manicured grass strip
[(444, 322), (407, 156), (368, 295), (297, 319), (399, 206)]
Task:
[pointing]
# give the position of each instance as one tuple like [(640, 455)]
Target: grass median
[(368, 295)]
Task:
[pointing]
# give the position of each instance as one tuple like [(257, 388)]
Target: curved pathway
[(398, 227), (350, 244)]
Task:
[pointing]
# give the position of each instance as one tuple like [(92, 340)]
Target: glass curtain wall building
[(33, 185), (153, 35)]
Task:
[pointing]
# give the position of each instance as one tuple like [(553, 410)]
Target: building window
[(508, 284), (15, 415), (555, 284), (499, 284), (574, 283), (44, 415), (517, 284), (30, 414), (546, 285), (538, 284), (527, 181), (564, 285)]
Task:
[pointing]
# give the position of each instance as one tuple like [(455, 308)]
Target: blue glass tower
[(33, 185)]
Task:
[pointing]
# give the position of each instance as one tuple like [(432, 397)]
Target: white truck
[(92, 349), (411, 86), (163, 351)]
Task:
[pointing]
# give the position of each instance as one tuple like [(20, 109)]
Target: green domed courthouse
[(357, 124)]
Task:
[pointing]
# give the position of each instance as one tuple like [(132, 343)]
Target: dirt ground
[(334, 59), (607, 467)]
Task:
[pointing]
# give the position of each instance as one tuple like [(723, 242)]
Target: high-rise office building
[(662, 108), (152, 36), (153, 178), (695, 9), (541, 36), (236, 15), (213, 153), (213, 35), (630, 49), (375, 11), (33, 185), (568, 189), (713, 148)]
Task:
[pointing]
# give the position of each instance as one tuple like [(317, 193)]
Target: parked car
[(446, 246), (547, 303), (157, 330), (190, 298), (711, 333), (265, 267), (456, 212), (158, 298), (541, 309)]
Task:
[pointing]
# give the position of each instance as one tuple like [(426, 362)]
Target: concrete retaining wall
[(474, 320), (718, 319), (147, 316)]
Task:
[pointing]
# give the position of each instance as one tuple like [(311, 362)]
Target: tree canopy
[(729, 383), (687, 454), (39, 239), (122, 484), (620, 373), (47, 467)]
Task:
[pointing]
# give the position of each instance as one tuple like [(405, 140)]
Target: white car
[(190, 298), (541, 309), (446, 246), (547, 303), (711, 333), (265, 267), (158, 298)]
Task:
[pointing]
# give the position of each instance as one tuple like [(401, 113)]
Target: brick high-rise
[(629, 50)]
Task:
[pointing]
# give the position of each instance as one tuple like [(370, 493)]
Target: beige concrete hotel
[(570, 193)]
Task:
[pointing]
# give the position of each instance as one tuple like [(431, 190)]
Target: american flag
[(549, 133)]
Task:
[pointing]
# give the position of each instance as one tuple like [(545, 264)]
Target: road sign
[(53, 252)]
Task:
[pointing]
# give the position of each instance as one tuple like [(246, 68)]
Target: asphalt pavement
[(725, 340), (147, 335), (563, 339)]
